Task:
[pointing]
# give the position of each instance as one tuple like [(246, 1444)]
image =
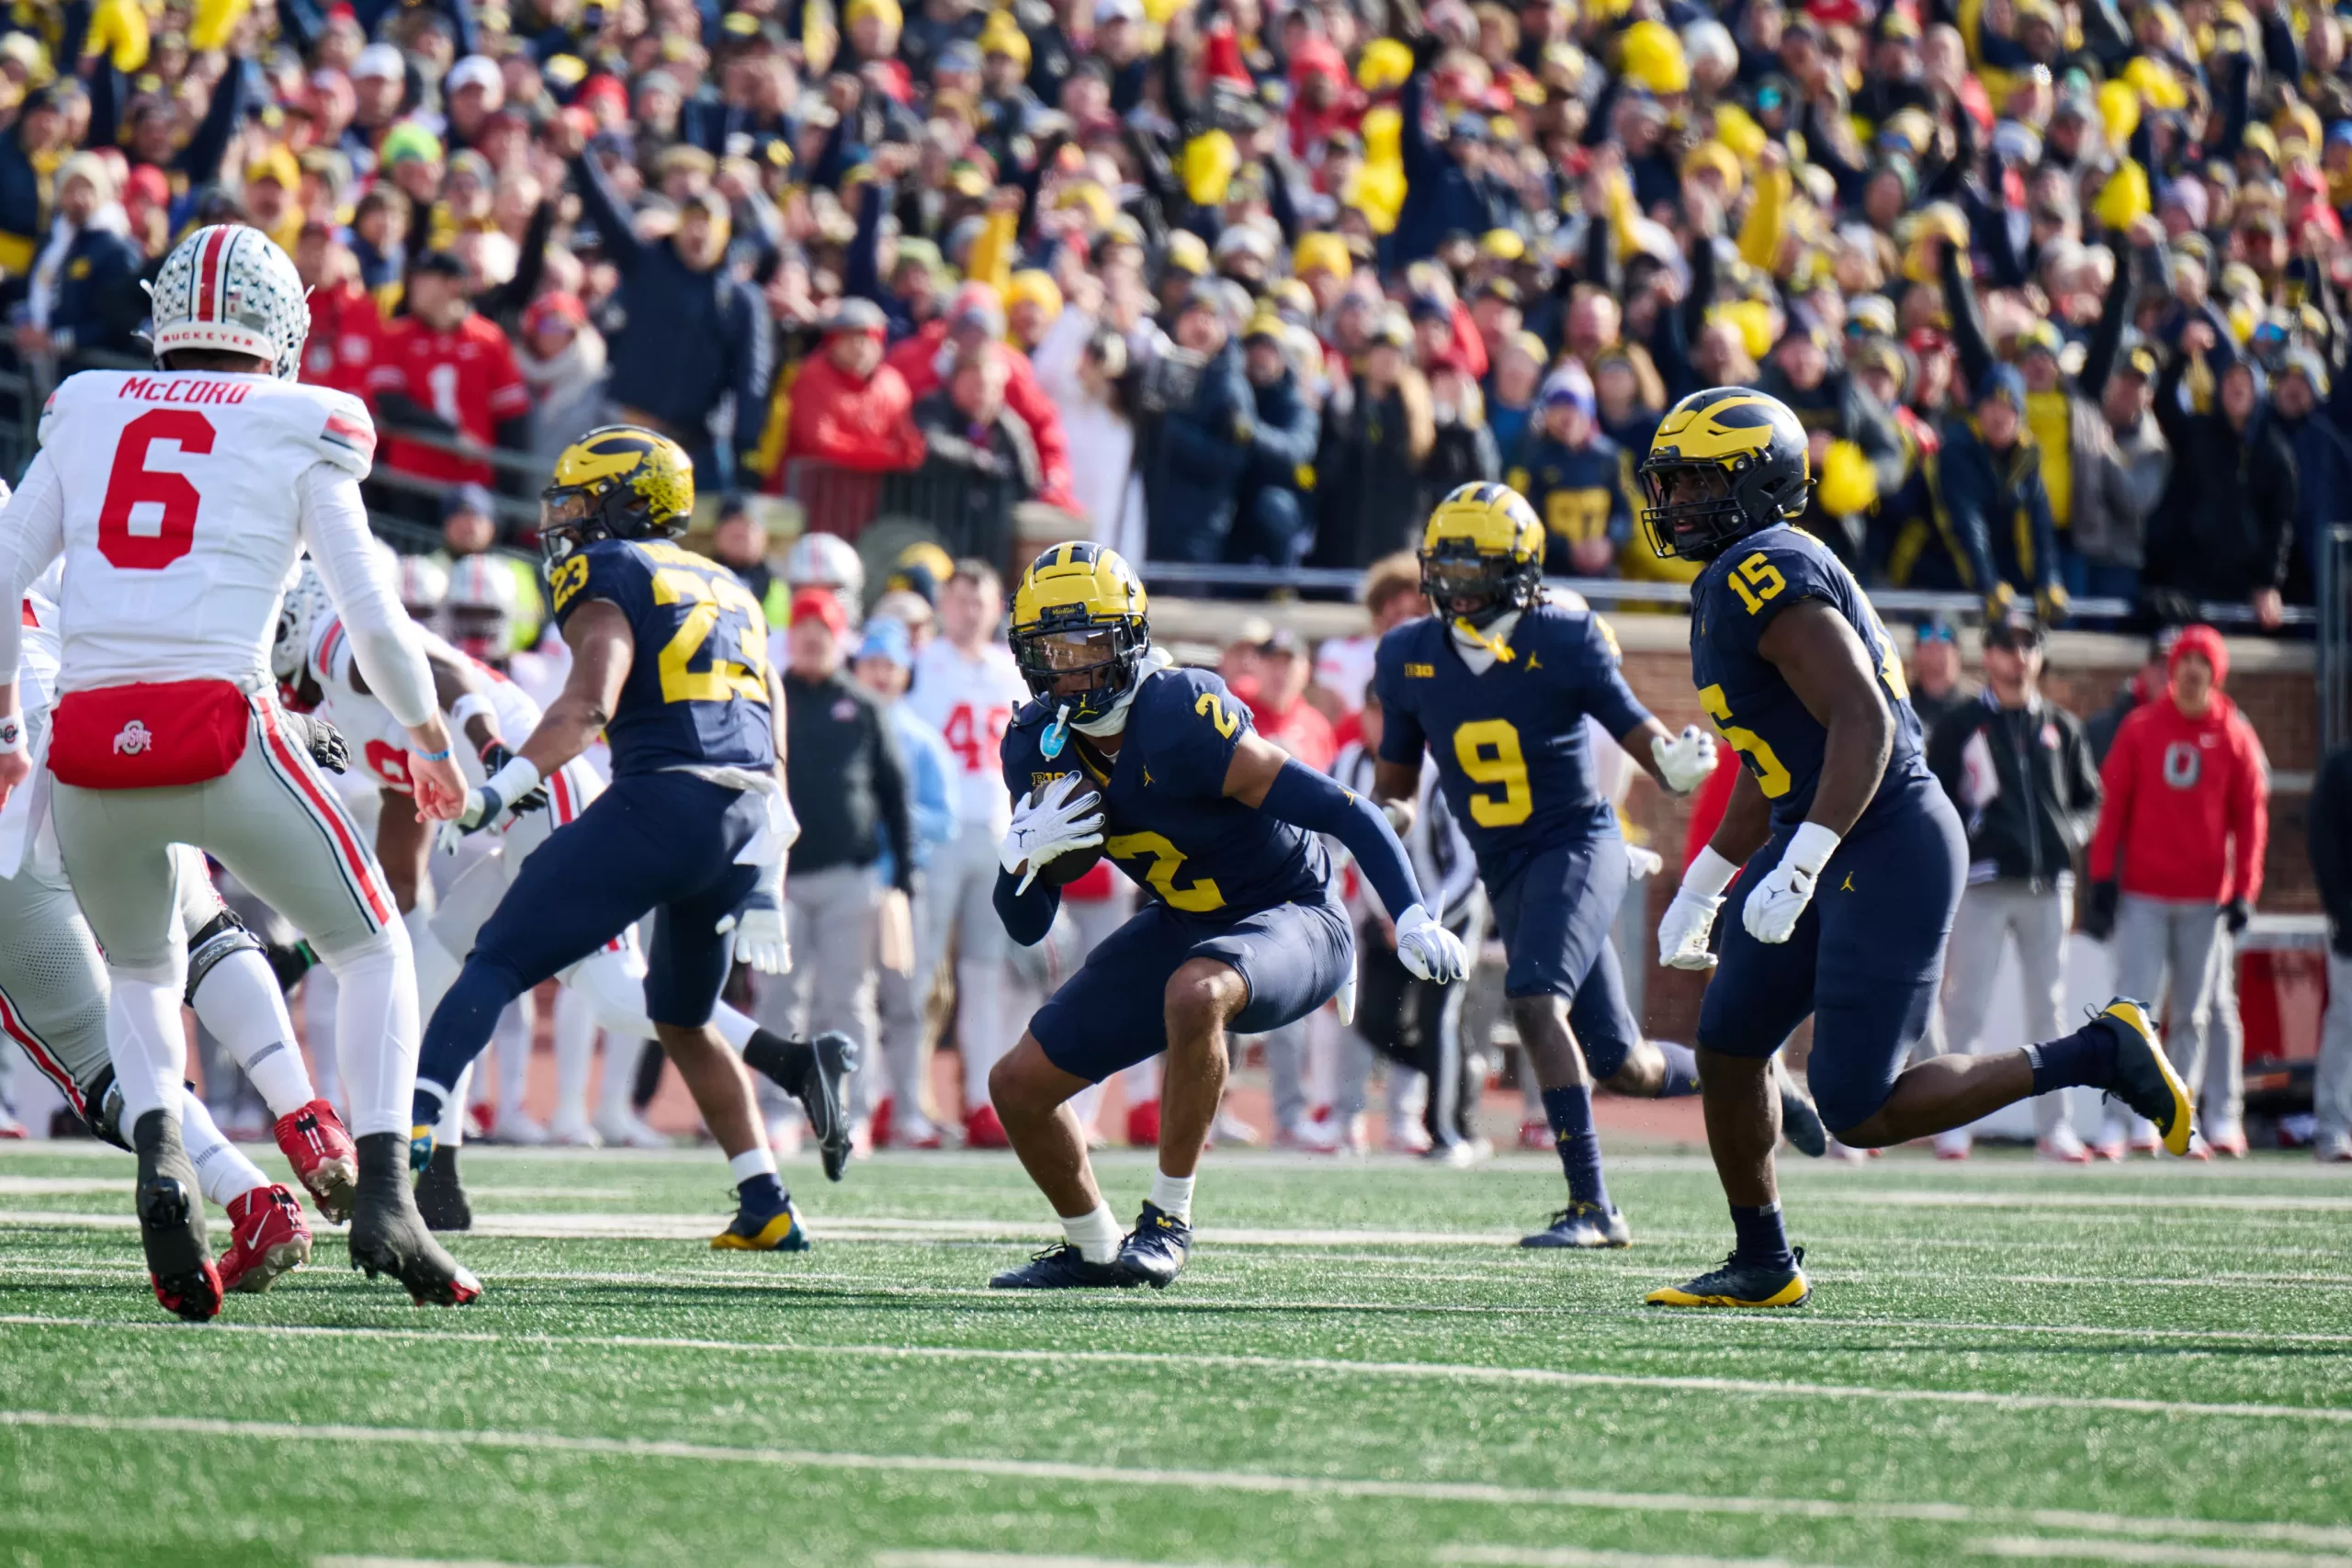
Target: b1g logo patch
[(1037, 782)]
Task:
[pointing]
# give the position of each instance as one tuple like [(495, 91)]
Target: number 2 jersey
[(1167, 821), (1758, 713), (1513, 754), (696, 695)]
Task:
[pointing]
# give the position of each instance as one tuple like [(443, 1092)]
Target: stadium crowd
[(2056, 288)]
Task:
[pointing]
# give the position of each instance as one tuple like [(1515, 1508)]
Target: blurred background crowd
[(2057, 287)]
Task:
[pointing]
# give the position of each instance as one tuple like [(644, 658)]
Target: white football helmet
[(229, 287), (480, 607), (424, 588), (827, 561), (299, 613)]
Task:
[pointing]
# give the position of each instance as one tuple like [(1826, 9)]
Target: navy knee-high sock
[(1681, 1071), (2085, 1057), (1569, 1113), (460, 1029), (1761, 1238)]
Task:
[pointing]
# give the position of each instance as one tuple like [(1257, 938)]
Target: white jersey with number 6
[(179, 502), (971, 701)]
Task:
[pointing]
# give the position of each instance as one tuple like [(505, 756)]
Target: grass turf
[(2002, 1361)]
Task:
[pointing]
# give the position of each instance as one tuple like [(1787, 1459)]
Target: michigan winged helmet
[(1080, 628), (1482, 554), (1726, 463), (615, 482)]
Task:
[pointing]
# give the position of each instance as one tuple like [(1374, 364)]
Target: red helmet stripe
[(208, 272)]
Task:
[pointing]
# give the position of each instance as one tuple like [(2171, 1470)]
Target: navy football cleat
[(1737, 1284), (1583, 1225), (1155, 1251), (1800, 1122), (440, 1196), (1064, 1268), (762, 1230)]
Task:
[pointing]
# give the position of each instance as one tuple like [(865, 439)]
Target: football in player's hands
[(1069, 865)]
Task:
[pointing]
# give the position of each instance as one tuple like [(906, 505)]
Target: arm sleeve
[(1027, 916), (1305, 798), (32, 534), (383, 640)]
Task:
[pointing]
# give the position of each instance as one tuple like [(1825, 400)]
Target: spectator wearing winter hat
[(975, 319), (694, 333), (1988, 484), (1274, 525), (562, 355), (1193, 457), (2226, 528), (2323, 462), (1576, 479), (2176, 862), (1374, 446), (848, 407)]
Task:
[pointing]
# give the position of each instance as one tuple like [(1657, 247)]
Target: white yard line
[(1479, 1494), (1002, 1560), (1395, 1372), (1579, 1557), (2072, 1550)]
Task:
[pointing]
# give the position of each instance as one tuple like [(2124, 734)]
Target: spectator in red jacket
[(2187, 812), (850, 408), (975, 316)]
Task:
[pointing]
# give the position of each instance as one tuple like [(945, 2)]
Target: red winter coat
[(2186, 804), (917, 359), (868, 426)]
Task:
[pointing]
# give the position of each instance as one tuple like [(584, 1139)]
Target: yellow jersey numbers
[(1756, 581), (1212, 707), (709, 599), (1197, 896), (1770, 776), (1490, 756)]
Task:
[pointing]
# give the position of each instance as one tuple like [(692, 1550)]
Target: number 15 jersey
[(696, 695), (1758, 713), (1511, 743), (180, 502)]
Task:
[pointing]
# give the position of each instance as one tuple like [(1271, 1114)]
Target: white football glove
[(1641, 863), (1427, 949), (1054, 822), (759, 938), (1773, 909), (1684, 762), (1691, 918)]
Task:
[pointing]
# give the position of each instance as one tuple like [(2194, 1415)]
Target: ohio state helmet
[(299, 613), (827, 561), (228, 287), (480, 607)]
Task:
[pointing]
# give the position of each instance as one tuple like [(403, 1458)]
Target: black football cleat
[(170, 1222), (817, 1074), (1156, 1250), (1064, 1268), (441, 1196), (2144, 1078), (389, 1236), (1583, 1225), (1738, 1284), (1800, 1121)]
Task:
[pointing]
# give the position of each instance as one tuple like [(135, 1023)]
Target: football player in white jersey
[(312, 661), (180, 499), (965, 686), (53, 1004)]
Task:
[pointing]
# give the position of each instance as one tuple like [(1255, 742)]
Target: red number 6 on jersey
[(133, 484)]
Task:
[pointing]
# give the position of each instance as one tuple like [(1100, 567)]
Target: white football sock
[(450, 1131), (575, 1052), (751, 1162), (147, 1045), (240, 1002), (1173, 1195), (320, 997), (222, 1173), (733, 1027), (437, 967), (1096, 1234), (377, 1031)]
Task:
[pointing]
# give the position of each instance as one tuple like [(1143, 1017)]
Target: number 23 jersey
[(1759, 715), (1168, 823), (1511, 742), (697, 689)]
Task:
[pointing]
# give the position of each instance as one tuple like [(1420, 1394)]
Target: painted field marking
[(1579, 1557), (1003, 1559), (1256, 1482), (1403, 1371), (2034, 1547), (417, 1563)]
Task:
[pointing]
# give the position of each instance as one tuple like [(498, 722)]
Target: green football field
[(2001, 1361)]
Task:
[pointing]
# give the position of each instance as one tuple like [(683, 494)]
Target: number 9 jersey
[(1758, 713), (696, 695)]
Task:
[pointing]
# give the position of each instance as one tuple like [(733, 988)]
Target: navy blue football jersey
[(1512, 755), (1759, 716), (1167, 821), (697, 691)]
